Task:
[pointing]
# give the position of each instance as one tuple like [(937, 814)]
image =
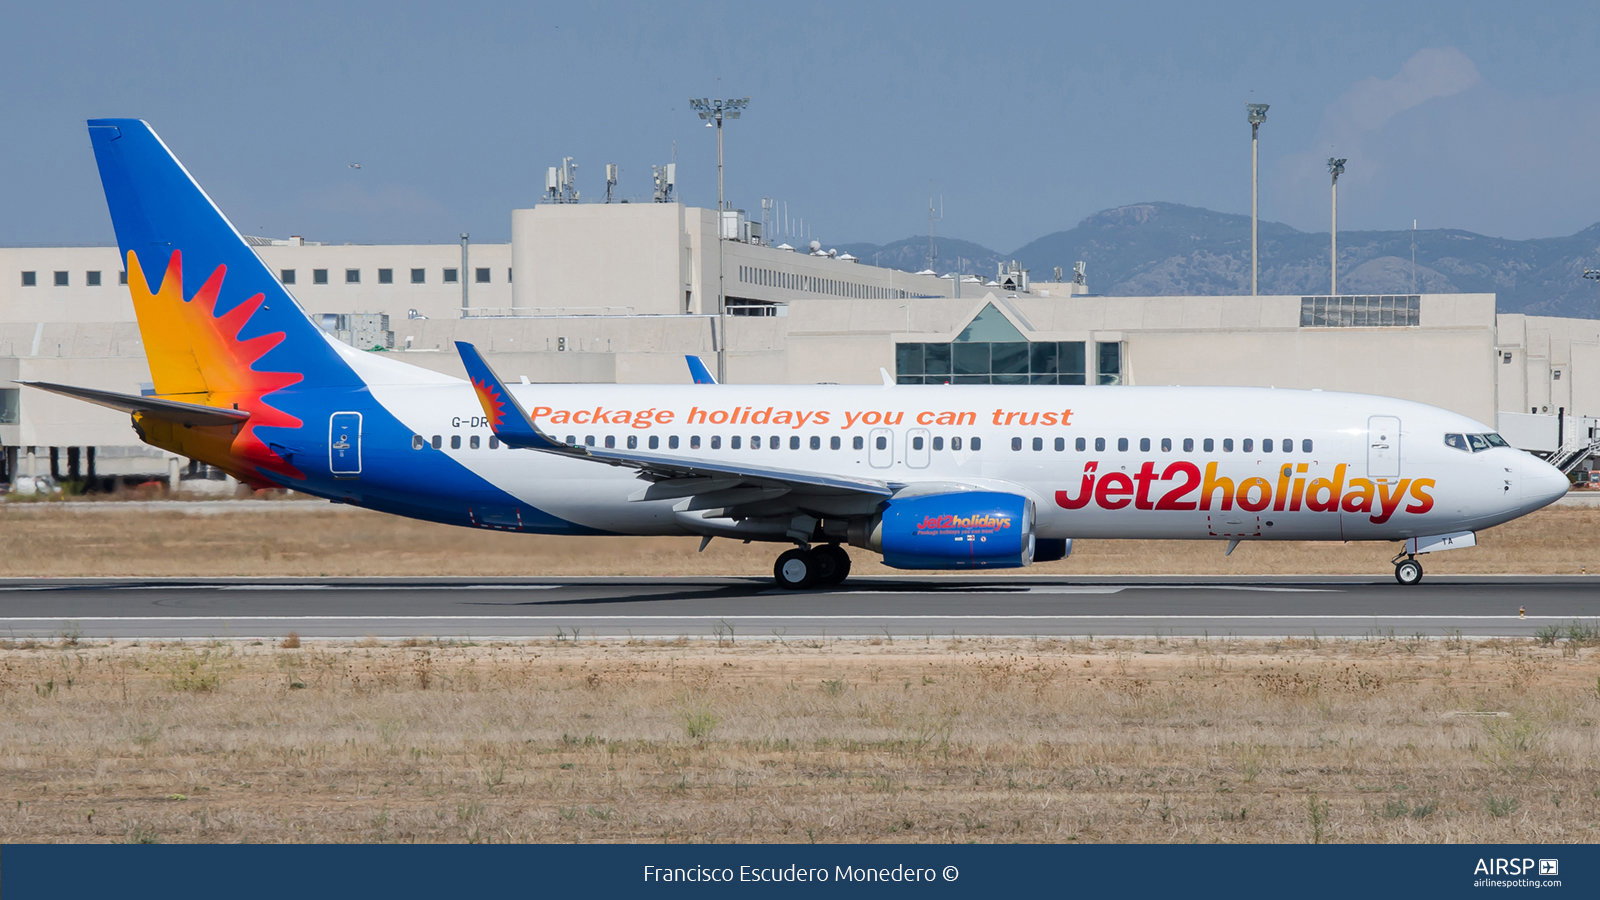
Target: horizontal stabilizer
[(185, 414)]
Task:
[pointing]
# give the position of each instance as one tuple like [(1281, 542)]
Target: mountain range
[(1149, 249)]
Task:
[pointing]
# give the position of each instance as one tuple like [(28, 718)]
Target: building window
[(481, 276), (319, 276), (1361, 312), (10, 405), (1110, 362), (61, 279), (30, 279), (990, 350), (386, 276), (286, 276), (449, 276), (352, 276), (92, 279), (122, 278), (508, 274), (419, 276)]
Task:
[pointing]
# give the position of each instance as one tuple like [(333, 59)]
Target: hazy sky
[(1025, 118)]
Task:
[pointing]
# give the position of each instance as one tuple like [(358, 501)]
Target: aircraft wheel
[(1408, 571), (795, 569), (832, 562)]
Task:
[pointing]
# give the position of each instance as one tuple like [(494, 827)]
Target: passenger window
[(588, 440), (472, 442), (1208, 445), (833, 442), (633, 442), (1038, 444), (437, 442), (916, 443), (1016, 443), (716, 441), (1061, 444), (1227, 445), (1166, 445), (1288, 445), (883, 443), (1266, 445), (1188, 445), (1122, 444), (1099, 444), (733, 442), (816, 442), (858, 442), (494, 442), (977, 444), (1247, 445), (955, 443), (938, 443), (1144, 445), (455, 442), (655, 442), (672, 442), (611, 442), (1477, 442), (694, 442), (1305, 446), (794, 442), (1081, 445), (572, 440), (417, 442)]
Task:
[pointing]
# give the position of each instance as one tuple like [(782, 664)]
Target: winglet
[(698, 371), (507, 419)]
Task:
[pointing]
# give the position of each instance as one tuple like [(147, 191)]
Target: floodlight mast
[(1335, 168), (1258, 114), (715, 111), (1592, 274)]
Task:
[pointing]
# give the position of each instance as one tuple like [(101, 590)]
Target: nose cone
[(1542, 483)]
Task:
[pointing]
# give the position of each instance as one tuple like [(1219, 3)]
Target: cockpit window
[(1458, 441), (1478, 442), (1495, 440)]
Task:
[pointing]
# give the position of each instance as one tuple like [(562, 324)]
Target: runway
[(746, 608)]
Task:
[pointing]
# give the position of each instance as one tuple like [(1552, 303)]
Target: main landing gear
[(803, 568), (1408, 571)]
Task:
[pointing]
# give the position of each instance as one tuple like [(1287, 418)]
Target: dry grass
[(1014, 740), (47, 539)]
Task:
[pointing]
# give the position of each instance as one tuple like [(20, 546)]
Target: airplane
[(932, 477)]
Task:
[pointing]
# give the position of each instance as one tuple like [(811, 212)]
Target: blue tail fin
[(216, 323)]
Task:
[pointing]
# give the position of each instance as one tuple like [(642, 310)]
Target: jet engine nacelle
[(965, 530)]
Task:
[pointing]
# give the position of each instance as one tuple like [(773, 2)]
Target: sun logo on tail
[(494, 406), (197, 356)]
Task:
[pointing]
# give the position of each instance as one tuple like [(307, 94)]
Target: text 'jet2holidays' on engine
[(931, 477)]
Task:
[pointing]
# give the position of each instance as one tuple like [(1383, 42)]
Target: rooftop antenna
[(665, 179), (769, 208), (611, 179), (933, 255), (1413, 256), (559, 182)]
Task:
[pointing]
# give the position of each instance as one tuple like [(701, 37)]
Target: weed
[(1500, 807), (70, 634), (193, 672), (1547, 635), (1317, 812), (291, 642), (699, 722), (833, 687)]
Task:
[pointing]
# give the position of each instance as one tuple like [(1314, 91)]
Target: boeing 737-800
[(931, 477)]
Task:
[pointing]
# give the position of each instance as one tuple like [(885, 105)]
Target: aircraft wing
[(673, 476), (186, 414), (698, 370)]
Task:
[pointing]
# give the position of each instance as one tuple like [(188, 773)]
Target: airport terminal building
[(621, 292)]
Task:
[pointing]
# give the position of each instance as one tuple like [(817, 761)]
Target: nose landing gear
[(803, 568)]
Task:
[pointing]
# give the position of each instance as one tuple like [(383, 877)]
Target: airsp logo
[(1516, 867), (1549, 867)]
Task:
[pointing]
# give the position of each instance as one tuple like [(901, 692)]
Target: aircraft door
[(344, 444), (880, 448), (1383, 448), (917, 448)]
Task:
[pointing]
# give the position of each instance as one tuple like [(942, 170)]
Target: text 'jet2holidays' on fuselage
[(930, 476)]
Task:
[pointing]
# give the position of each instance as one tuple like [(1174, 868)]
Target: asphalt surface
[(745, 608)]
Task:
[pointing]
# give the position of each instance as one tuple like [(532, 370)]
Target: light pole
[(1335, 168), (716, 111), (1592, 274), (463, 274), (1258, 114)]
